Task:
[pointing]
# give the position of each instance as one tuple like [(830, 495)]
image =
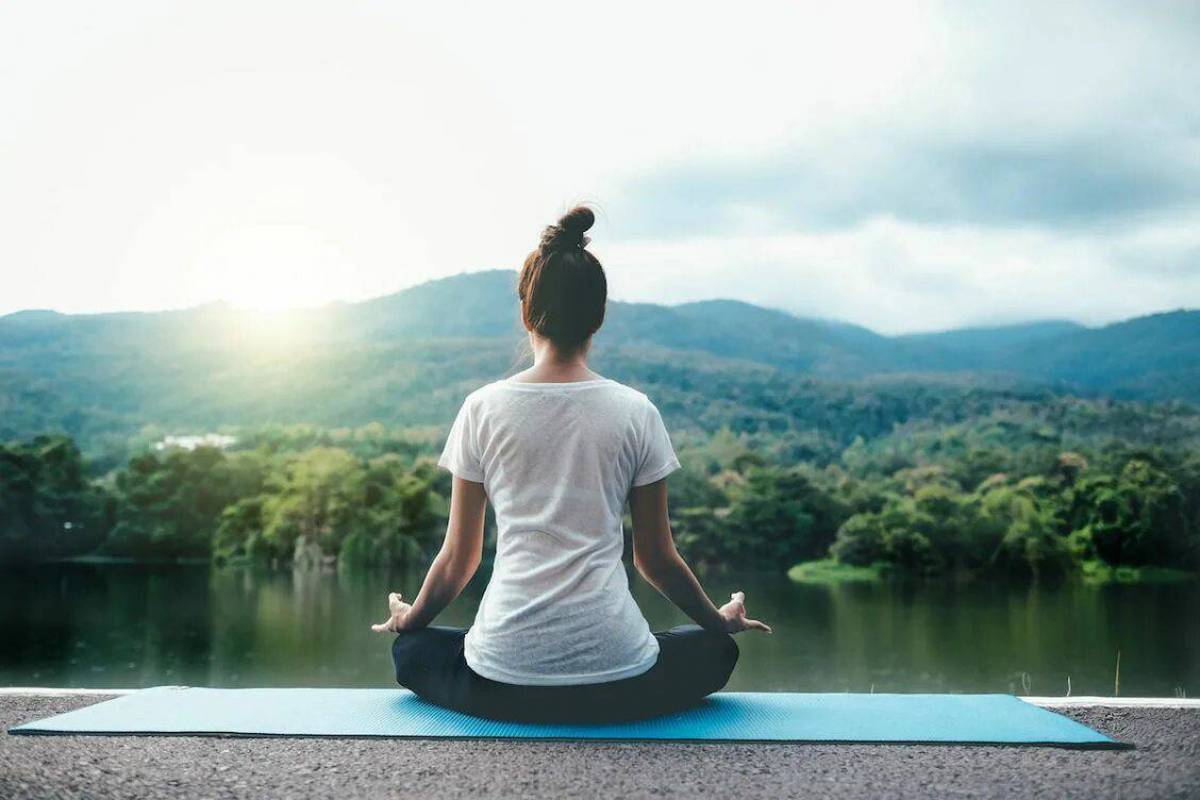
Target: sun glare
[(276, 267)]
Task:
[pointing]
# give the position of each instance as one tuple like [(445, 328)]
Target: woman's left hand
[(399, 611), (734, 614)]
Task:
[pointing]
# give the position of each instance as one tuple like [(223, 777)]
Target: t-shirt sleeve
[(461, 455), (657, 458)]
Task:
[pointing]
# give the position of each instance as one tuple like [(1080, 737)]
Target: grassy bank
[(828, 570)]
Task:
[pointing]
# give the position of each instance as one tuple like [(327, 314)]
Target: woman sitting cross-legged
[(559, 450)]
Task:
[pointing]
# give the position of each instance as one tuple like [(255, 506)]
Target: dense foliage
[(272, 503), (949, 503), (967, 452), (48, 505), (1025, 490)]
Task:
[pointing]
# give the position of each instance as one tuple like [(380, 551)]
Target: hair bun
[(569, 231)]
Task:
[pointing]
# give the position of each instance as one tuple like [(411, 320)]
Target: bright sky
[(903, 166)]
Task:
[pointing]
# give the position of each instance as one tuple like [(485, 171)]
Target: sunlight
[(276, 267)]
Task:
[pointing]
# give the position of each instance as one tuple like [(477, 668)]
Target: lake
[(134, 625)]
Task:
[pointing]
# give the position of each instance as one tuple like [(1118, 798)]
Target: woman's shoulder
[(481, 395), (625, 400), (633, 396)]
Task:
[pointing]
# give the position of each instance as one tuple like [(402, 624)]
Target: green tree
[(170, 505), (48, 506), (1027, 541), (1139, 517), (780, 516)]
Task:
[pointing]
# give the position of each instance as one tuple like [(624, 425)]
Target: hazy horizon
[(908, 169), (833, 320)]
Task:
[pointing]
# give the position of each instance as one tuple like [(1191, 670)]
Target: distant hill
[(974, 348), (408, 358), (1155, 357)]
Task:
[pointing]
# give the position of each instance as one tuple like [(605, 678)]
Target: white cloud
[(163, 155), (897, 277)]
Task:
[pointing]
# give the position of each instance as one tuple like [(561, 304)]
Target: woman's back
[(558, 451), (557, 461)]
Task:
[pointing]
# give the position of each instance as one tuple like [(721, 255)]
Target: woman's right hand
[(398, 612), (734, 614)]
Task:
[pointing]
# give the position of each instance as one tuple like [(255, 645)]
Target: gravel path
[(1166, 764)]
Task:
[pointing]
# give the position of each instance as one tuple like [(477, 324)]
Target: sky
[(907, 167)]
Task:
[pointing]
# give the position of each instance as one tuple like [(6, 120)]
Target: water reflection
[(138, 625)]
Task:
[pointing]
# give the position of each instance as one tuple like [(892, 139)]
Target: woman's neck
[(551, 365)]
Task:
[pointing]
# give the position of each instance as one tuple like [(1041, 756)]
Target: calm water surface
[(140, 625)]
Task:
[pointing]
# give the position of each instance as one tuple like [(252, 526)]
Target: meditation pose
[(559, 450)]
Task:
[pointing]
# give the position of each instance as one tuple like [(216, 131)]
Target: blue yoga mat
[(727, 716)]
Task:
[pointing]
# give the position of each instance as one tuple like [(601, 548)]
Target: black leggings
[(692, 663)]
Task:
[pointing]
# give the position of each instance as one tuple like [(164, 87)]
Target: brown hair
[(562, 287)]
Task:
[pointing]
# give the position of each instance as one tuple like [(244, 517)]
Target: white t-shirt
[(557, 461)]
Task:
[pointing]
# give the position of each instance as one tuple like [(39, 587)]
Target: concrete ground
[(1166, 764)]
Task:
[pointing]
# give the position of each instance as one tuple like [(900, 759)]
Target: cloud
[(1044, 162), (906, 164), (986, 183), (897, 277)]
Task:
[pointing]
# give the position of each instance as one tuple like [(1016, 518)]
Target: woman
[(559, 450)]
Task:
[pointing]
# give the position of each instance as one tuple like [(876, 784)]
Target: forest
[(1031, 452), (1027, 491)]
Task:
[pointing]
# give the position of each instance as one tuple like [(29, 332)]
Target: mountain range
[(373, 359), (1153, 357)]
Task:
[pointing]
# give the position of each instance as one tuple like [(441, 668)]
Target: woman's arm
[(655, 556), (454, 565)]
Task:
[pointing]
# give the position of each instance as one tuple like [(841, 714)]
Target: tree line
[(994, 496)]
